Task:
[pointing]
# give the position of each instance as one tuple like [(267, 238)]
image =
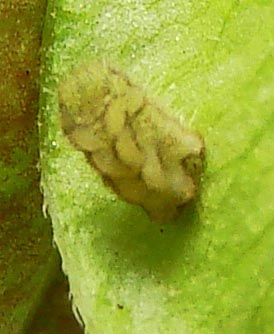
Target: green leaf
[(212, 270)]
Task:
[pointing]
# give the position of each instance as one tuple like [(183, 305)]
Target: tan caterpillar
[(141, 151)]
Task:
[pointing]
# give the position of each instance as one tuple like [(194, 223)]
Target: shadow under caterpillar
[(141, 151)]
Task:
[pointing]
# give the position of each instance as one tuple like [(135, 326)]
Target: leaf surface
[(212, 270)]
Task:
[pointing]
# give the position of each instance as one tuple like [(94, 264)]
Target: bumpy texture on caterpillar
[(141, 151)]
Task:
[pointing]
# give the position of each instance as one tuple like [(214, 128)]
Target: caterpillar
[(141, 150)]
